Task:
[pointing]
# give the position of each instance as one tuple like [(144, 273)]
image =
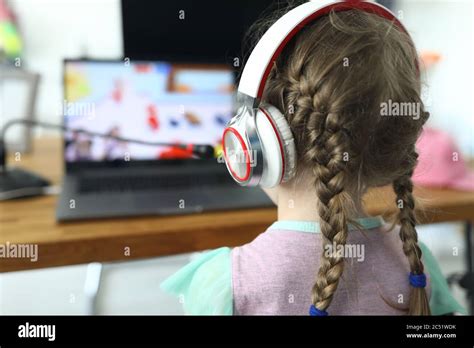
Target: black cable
[(63, 128), (200, 151)]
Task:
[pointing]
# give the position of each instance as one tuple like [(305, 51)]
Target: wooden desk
[(32, 221)]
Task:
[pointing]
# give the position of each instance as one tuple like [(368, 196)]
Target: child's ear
[(272, 193)]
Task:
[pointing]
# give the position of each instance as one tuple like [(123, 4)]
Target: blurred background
[(37, 35)]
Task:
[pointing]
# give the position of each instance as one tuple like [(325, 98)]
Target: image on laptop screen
[(150, 101)]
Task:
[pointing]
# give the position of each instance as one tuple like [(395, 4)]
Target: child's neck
[(299, 202)]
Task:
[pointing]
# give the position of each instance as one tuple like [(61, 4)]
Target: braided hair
[(403, 187)]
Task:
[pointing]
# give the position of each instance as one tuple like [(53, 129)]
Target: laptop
[(152, 101)]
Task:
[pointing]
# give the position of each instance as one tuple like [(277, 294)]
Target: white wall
[(447, 27), (57, 29)]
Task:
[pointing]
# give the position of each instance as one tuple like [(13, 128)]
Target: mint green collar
[(313, 227)]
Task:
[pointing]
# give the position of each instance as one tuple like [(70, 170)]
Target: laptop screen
[(151, 101)]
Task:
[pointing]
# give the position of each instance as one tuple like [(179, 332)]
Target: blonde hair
[(330, 82)]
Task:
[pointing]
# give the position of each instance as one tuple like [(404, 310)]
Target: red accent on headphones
[(245, 151)]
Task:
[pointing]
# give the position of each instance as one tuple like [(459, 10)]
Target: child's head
[(349, 87)]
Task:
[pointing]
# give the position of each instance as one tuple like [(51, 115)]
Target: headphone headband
[(272, 43)]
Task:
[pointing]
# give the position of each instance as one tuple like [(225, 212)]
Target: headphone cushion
[(279, 150)]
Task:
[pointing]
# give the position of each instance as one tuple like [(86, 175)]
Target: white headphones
[(258, 145)]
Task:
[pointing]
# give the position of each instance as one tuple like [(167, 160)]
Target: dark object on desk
[(18, 183)]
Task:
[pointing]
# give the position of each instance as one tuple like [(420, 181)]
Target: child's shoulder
[(204, 286)]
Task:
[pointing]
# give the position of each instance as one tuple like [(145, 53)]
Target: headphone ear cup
[(237, 149), (289, 146), (278, 146)]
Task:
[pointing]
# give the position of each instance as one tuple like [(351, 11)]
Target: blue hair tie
[(314, 312), (417, 280)]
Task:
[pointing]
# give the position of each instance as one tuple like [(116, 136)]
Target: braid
[(403, 187), (325, 143), (329, 171)]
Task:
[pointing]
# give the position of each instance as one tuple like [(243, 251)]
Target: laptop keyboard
[(94, 184)]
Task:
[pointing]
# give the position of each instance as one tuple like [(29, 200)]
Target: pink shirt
[(274, 273)]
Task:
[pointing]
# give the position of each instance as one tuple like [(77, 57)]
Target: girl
[(331, 82)]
